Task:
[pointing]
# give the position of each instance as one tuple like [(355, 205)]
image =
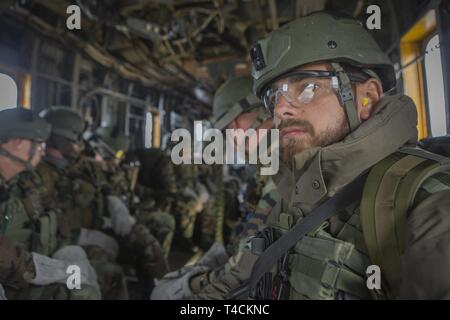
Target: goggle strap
[(263, 115)]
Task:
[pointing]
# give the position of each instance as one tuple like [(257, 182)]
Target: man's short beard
[(334, 133)]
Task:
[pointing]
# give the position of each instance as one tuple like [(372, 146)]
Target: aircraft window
[(8, 92), (148, 130), (435, 88)]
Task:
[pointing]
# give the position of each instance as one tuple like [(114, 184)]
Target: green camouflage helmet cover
[(320, 36), (233, 98), (20, 123), (65, 122)]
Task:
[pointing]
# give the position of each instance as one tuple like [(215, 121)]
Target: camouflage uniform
[(218, 285), (187, 205), (140, 248), (86, 180), (28, 225), (231, 100), (221, 212), (160, 223), (13, 264), (122, 180), (156, 173), (207, 188), (256, 213), (79, 201), (253, 192)]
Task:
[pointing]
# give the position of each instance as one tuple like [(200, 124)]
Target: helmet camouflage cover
[(109, 142), (65, 122), (23, 124)]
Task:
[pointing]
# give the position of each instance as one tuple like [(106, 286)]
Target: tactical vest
[(87, 181), (68, 190), (331, 261), (28, 224)]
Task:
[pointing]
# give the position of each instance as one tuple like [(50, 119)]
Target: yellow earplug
[(365, 102)]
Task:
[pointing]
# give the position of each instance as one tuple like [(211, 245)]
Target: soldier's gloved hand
[(175, 285), (56, 270), (215, 257), (121, 220)]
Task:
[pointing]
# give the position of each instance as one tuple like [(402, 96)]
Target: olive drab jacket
[(331, 262)]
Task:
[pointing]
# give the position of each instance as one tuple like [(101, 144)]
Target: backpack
[(388, 195)]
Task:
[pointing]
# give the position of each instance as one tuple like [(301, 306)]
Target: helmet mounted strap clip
[(346, 97)]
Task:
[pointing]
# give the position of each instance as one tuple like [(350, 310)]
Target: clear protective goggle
[(300, 88)]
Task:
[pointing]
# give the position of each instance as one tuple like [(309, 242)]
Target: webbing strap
[(346, 97), (224, 119), (418, 152), (262, 116)]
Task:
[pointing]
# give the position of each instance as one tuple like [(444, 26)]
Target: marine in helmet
[(349, 151), (96, 213), (122, 177), (234, 107), (30, 234)]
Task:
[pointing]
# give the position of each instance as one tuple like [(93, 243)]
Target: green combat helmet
[(65, 122), (67, 129), (318, 37), (19, 123), (233, 98)]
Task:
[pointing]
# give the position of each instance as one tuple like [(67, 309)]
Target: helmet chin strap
[(14, 158), (346, 97)]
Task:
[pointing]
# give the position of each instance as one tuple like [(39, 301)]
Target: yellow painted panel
[(156, 131), (422, 28), (410, 49), (26, 91)]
